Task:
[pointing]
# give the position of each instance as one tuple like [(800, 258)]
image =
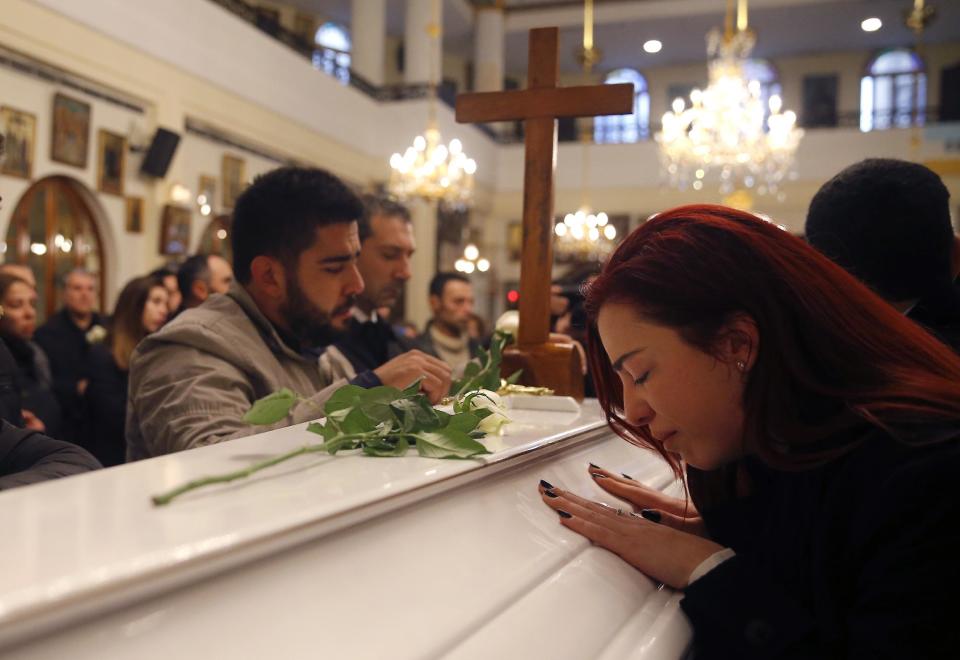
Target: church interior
[(517, 143)]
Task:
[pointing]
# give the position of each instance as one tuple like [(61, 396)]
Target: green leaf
[(412, 390), (465, 422), (357, 421), (448, 443), (386, 448), (340, 443), (271, 408), (514, 377), (348, 396)]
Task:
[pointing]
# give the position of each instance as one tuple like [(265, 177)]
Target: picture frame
[(20, 139), (134, 215), (175, 230), (514, 240), (111, 162), (207, 190), (232, 179), (71, 131)]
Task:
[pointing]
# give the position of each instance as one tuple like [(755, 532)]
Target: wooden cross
[(545, 363)]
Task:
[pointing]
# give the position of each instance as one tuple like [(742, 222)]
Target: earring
[(741, 365)]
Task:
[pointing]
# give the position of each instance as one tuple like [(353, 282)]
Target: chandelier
[(472, 261), (584, 235), (726, 132), (430, 169)]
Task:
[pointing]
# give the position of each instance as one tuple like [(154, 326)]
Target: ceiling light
[(654, 46), (871, 24)]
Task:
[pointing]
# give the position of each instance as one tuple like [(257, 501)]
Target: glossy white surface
[(477, 560)]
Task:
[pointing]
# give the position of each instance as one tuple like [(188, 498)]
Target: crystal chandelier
[(430, 169), (725, 133), (584, 235)]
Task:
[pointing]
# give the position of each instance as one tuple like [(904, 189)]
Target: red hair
[(832, 354)]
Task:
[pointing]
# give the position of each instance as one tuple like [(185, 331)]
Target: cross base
[(551, 364)]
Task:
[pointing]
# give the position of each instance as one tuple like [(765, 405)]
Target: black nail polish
[(651, 514), (546, 484), (627, 476), (564, 514), (595, 467), (550, 493), (598, 476)]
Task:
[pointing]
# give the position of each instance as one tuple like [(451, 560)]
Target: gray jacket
[(192, 381)]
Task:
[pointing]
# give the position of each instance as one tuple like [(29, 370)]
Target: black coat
[(858, 558), (9, 389), (940, 314), (35, 385), (68, 350), (369, 345), (106, 407), (28, 457)]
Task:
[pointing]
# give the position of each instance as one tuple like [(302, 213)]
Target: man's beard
[(309, 324)]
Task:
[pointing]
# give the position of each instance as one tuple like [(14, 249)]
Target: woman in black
[(141, 309), (816, 428), (41, 412)]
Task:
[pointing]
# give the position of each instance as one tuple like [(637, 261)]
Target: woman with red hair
[(816, 430)]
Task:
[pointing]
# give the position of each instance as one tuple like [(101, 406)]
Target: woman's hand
[(664, 553), (675, 511)]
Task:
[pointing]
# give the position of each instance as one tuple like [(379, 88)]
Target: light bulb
[(610, 232), (483, 265), (456, 146), (560, 229), (419, 143), (871, 24), (652, 46), (471, 252)]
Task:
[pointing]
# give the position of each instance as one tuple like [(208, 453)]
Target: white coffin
[(339, 557)]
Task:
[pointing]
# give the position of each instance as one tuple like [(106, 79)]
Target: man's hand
[(31, 421), (434, 374)]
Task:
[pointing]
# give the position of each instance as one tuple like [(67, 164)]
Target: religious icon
[(514, 240), (175, 230), (110, 163), (20, 129), (71, 131), (232, 179), (206, 192), (135, 215)]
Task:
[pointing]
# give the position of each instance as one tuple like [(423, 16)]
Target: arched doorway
[(52, 230), (216, 238)]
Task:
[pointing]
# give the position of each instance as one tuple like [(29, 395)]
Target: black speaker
[(160, 153)]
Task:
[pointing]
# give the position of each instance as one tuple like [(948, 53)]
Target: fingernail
[(651, 514), (595, 467), (627, 476), (598, 476), (550, 493), (546, 484), (564, 514)]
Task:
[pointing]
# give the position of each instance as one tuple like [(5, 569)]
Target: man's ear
[(740, 342), (268, 276), (199, 290), (434, 302)]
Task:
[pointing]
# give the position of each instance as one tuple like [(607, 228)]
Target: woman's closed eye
[(640, 380)]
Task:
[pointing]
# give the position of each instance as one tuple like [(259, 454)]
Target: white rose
[(96, 334), (492, 423)]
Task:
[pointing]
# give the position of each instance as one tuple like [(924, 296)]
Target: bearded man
[(295, 249)]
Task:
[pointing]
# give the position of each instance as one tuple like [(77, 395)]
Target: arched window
[(626, 128), (53, 231), (893, 93), (333, 51), (764, 73)]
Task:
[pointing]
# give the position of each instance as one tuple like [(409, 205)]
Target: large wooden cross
[(545, 363)]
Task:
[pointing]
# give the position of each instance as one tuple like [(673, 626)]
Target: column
[(424, 265), (368, 36), (422, 53), (488, 50)]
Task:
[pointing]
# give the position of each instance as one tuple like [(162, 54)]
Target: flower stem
[(165, 498)]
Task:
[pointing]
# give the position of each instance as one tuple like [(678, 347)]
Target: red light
[(513, 295)]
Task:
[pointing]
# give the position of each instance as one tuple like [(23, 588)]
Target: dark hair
[(162, 272), (279, 213), (832, 355), (7, 280), (195, 268), (126, 324), (382, 205), (439, 282), (888, 223)]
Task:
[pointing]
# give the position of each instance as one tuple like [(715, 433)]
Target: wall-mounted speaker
[(160, 153)]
